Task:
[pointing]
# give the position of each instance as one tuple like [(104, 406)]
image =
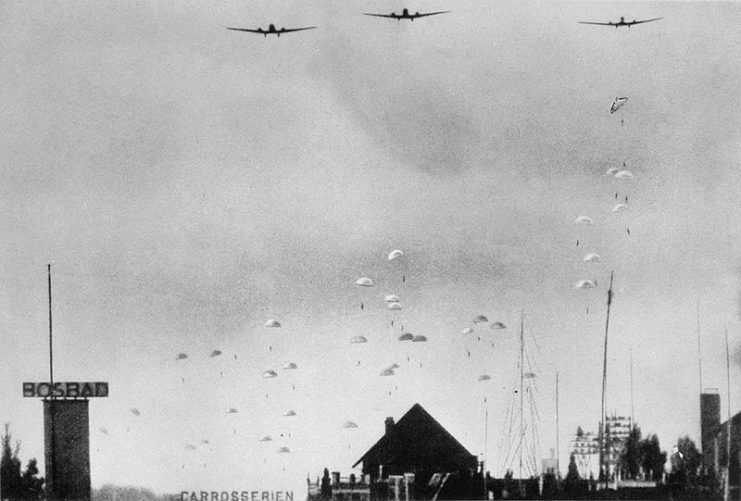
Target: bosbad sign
[(66, 390)]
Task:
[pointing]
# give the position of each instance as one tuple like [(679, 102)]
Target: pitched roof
[(416, 421)]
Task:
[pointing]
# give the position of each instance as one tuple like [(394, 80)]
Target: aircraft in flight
[(622, 22), (271, 30), (406, 15)]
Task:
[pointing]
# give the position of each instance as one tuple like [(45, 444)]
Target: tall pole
[(632, 410), (558, 448), (51, 356), (604, 385), (699, 346), (522, 384), (52, 453), (727, 486)]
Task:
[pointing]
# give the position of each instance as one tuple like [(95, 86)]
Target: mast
[(51, 357), (558, 448), (632, 411), (699, 346), (604, 385), (522, 384)]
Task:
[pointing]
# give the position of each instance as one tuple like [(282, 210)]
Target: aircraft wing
[(601, 24), (248, 30), (646, 20), (297, 29), (431, 13), (391, 16)]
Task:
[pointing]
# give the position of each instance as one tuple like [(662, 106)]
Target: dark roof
[(416, 424)]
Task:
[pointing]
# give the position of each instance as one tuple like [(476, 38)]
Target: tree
[(573, 473), (630, 457), (691, 456), (326, 488), (652, 457), (13, 483)]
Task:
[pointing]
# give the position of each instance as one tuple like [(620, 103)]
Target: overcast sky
[(189, 183)]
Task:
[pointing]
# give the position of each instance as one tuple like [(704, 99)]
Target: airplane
[(623, 22), (406, 15), (271, 30)]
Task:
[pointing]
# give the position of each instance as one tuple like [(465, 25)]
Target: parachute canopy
[(272, 323), (483, 377), (617, 104), (349, 424), (387, 372), (395, 254), (584, 220), (289, 413), (268, 374), (585, 284), (135, 411), (612, 171), (624, 174), (406, 337), (284, 450), (394, 306), (391, 298), (289, 366), (190, 447), (468, 330), (498, 325), (592, 257), (364, 282), (231, 410), (215, 353), (419, 339), (103, 430), (480, 319), (529, 375), (181, 356), (358, 339), (619, 208), (266, 438)]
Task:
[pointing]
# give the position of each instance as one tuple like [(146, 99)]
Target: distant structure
[(715, 457), (586, 446), (550, 464)]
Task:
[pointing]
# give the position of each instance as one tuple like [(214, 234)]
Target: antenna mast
[(727, 486), (558, 448), (604, 385), (51, 357), (699, 346)]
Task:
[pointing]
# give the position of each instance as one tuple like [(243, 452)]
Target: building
[(586, 446), (716, 457), (417, 458)]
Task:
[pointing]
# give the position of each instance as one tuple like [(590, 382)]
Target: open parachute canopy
[(269, 374), (529, 375), (620, 207), (181, 356), (394, 306), (612, 171), (406, 337), (395, 254), (592, 257), (624, 174), (288, 366), (585, 284), (387, 372), (618, 103), (364, 282), (349, 424), (272, 323), (215, 353), (498, 325), (231, 410), (419, 339), (483, 377), (480, 319), (584, 220), (266, 438), (468, 330), (391, 298), (135, 411), (284, 450), (358, 340), (289, 413)]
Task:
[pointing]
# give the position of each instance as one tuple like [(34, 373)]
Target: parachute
[(612, 171), (231, 410), (620, 207), (103, 430), (585, 284), (617, 104), (364, 282), (468, 330), (529, 375), (283, 450), (181, 356), (289, 413), (406, 337), (358, 339), (592, 257), (349, 424), (395, 254), (266, 438), (272, 323), (135, 411), (387, 372), (480, 319), (624, 174), (269, 374), (483, 377), (391, 298), (394, 366), (394, 306), (584, 220), (498, 325), (419, 339), (190, 447), (215, 353), (289, 366)]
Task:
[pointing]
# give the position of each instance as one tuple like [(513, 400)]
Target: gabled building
[(419, 445)]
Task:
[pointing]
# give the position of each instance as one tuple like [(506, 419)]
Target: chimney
[(709, 426), (389, 425)]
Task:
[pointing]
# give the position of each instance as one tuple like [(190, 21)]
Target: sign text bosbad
[(66, 390)]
